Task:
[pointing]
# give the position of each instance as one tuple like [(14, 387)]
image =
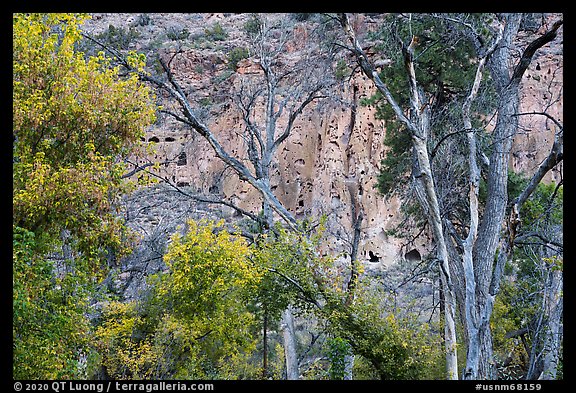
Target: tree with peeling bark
[(471, 259)]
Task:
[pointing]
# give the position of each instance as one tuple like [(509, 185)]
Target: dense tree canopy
[(74, 119)]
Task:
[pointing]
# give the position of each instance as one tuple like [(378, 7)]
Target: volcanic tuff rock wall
[(330, 149), (334, 148), (542, 90)]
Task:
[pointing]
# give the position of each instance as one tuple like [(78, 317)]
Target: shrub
[(177, 33), (235, 55), (253, 25), (216, 33), (119, 37), (342, 70)]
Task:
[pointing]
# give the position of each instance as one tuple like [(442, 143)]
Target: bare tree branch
[(142, 167), (554, 158), (293, 115), (550, 117), (531, 49), (201, 198), (372, 73)]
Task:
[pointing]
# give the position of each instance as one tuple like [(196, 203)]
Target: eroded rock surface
[(334, 149)]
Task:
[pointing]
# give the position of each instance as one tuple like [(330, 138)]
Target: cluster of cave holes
[(306, 189), (411, 256), (155, 139)]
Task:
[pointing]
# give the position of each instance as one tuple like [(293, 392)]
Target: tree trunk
[(490, 239), (265, 344), (348, 367), (418, 125), (554, 329), (490, 228), (435, 221), (289, 335), (495, 233), (287, 320), (479, 343)]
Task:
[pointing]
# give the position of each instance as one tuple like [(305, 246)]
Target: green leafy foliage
[(396, 163), (235, 55), (195, 320), (338, 348), (74, 119), (253, 25), (289, 260), (342, 71), (546, 204), (216, 32), (444, 64), (119, 37), (519, 304), (177, 33), (395, 347), (202, 317), (49, 327)]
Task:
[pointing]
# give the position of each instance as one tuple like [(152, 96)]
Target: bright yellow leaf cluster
[(197, 318)]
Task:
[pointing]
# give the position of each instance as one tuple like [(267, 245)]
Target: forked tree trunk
[(486, 237), (496, 232), (477, 331)]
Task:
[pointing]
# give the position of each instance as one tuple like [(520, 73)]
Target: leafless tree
[(269, 101)]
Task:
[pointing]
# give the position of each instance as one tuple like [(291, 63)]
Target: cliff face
[(542, 91), (334, 150)]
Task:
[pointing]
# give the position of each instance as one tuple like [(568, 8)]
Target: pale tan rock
[(326, 151)]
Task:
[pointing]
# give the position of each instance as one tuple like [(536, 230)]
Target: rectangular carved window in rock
[(182, 160)]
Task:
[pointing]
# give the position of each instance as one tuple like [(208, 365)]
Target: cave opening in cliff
[(413, 256)]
